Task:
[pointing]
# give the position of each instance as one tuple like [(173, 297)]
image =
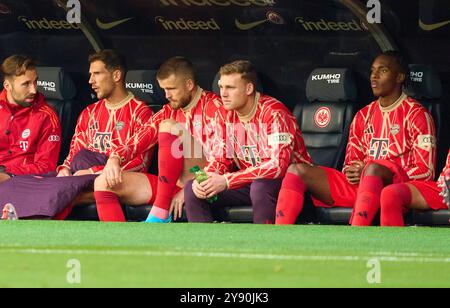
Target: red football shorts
[(430, 192), (400, 176), (342, 192), (153, 180)]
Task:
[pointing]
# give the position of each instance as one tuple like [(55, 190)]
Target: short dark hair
[(113, 60), (17, 65), (399, 60), (242, 67), (176, 66)]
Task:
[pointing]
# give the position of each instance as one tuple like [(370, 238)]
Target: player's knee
[(189, 196), (388, 196), (262, 190), (394, 196), (100, 183), (374, 169), (167, 126), (300, 170)]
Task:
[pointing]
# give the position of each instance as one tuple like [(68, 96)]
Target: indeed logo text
[(46, 24), (324, 25), (183, 25), (218, 2)]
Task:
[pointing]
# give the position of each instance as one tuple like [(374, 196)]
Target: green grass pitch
[(41, 254)]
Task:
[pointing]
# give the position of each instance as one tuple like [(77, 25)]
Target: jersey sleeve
[(219, 157), (216, 142), (79, 140), (48, 149), (444, 171), (141, 161), (355, 148), (142, 141), (422, 135), (276, 152)]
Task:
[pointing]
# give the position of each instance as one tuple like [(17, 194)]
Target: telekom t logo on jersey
[(379, 148), (24, 145), (102, 141), (251, 155)]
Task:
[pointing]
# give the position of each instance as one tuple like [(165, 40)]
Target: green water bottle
[(201, 176)]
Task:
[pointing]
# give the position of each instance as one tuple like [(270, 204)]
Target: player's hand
[(113, 172), (4, 177), (353, 173), (447, 188), (199, 192), (444, 184), (214, 185), (64, 172), (176, 207), (83, 172)]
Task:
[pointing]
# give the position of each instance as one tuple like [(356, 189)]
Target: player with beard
[(108, 124), (30, 138), (183, 130), (392, 140)]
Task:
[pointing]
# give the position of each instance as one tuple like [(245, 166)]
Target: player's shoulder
[(46, 113), (369, 108), (270, 106), (138, 104), (44, 107), (93, 106), (208, 97), (414, 104)]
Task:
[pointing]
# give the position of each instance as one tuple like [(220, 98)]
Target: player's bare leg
[(84, 198), (193, 154), (178, 153), (4, 177), (135, 189), (299, 179), (315, 180)]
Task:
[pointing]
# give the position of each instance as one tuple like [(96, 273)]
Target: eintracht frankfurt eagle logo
[(322, 117)]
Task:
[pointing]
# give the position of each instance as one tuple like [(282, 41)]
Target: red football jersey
[(102, 129), (200, 118), (30, 138), (261, 145), (403, 133), (447, 166)]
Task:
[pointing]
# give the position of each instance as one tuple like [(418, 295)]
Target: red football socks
[(394, 199), (108, 207), (170, 170), (290, 200), (64, 213), (368, 201)]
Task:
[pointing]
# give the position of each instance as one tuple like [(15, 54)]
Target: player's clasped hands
[(354, 172), (212, 187)]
